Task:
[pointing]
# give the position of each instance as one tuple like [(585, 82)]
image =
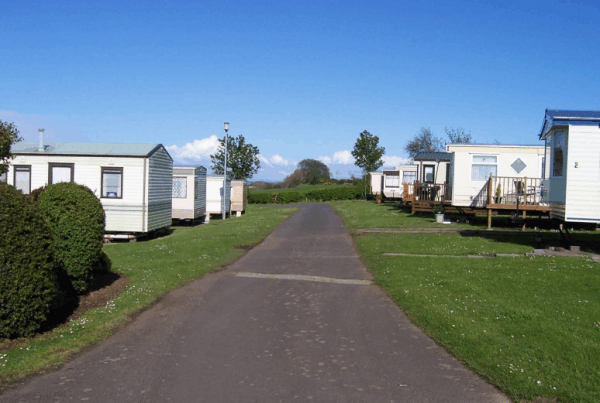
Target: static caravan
[(376, 182), (189, 193), (215, 195), (239, 197), (572, 165), (432, 168), (390, 181), (133, 181), (510, 166), (393, 180)]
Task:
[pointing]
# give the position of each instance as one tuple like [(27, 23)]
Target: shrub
[(27, 266), (76, 219), (287, 197), (341, 193), (35, 193), (259, 198)]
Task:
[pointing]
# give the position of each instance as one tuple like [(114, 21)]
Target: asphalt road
[(294, 320)]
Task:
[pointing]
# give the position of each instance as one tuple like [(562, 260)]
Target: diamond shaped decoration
[(518, 165)]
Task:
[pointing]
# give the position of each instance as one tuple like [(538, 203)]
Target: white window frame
[(392, 181), (412, 174), (479, 160)]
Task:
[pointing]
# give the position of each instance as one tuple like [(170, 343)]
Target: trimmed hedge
[(343, 193), (27, 266), (336, 193), (77, 220)]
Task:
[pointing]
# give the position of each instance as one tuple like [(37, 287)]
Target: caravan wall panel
[(239, 195), (160, 190), (200, 202), (465, 190), (193, 206), (582, 202), (124, 214), (214, 194)]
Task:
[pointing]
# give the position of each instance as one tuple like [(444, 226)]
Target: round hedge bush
[(27, 265), (76, 219)]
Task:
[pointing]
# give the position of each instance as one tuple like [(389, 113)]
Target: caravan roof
[(85, 149), (556, 117)]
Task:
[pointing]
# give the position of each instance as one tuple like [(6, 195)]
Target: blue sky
[(297, 79)]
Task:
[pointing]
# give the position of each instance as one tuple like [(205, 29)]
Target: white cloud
[(284, 173), (264, 160), (279, 160), (395, 160), (343, 157), (196, 150)]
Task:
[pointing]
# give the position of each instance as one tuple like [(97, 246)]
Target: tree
[(314, 170), (9, 135), (458, 135), (424, 141), (367, 153), (242, 158)]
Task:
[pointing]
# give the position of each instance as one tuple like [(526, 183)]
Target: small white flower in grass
[(539, 382)]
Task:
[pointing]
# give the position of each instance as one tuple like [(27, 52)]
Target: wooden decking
[(499, 195)]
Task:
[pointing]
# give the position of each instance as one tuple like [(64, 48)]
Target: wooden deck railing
[(509, 190), (435, 193)]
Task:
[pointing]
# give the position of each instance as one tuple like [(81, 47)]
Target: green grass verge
[(453, 244), (360, 214), (153, 268), (528, 325)]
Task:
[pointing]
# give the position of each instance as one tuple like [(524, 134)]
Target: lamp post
[(225, 172)]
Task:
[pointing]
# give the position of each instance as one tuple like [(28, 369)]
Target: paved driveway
[(296, 319)]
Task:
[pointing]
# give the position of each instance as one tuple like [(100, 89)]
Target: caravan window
[(179, 187), (409, 176), (112, 183), (428, 173), (392, 181), (483, 167), (23, 178), (60, 173), (558, 154)]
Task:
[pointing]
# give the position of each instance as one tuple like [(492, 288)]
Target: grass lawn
[(153, 268), (528, 325), (360, 214)]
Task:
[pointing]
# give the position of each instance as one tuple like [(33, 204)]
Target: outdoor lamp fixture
[(225, 172)]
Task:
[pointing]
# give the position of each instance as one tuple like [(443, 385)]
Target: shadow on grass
[(587, 241)]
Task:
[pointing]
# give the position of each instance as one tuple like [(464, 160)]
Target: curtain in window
[(409, 177), (481, 172), (485, 159), (23, 180), (61, 174), (179, 188), (392, 181)]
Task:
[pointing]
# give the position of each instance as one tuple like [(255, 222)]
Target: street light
[(225, 172)]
